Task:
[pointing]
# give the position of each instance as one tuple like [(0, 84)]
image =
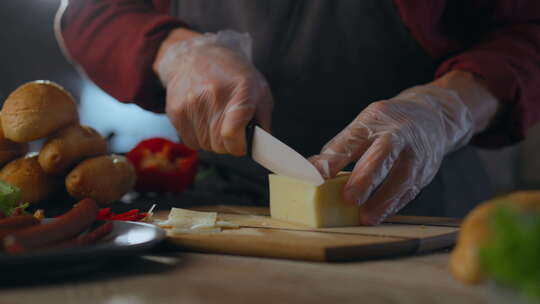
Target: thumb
[(343, 149)]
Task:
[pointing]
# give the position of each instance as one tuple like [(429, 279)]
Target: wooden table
[(171, 277)]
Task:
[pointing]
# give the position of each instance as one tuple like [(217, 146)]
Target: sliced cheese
[(299, 202), (188, 221)]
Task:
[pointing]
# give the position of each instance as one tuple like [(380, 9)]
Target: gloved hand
[(213, 91), (399, 144)]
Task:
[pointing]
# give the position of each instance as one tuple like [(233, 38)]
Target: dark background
[(28, 50)]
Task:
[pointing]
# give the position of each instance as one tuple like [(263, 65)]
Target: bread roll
[(26, 174), (9, 150), (36, 110), (475, 230), (69, 146), (103, 178)]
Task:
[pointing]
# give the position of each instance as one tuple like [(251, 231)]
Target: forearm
[(508, 62), (176, 35), (115, 42), (481, 102)]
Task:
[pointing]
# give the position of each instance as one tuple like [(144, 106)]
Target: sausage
[(17, 222), (95, 235), (85, 239), (66, 226), (12, 224)]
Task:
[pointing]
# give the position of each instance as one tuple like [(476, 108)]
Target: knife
[(279, 158)]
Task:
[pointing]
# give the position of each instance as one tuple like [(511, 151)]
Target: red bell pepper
[(163, 166)]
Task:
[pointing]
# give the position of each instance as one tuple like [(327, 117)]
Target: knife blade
[(279, 158)]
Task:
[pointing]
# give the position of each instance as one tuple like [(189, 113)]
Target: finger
[(239, 111), (187, 134), (181, 121), (404, 201), (208, 116), (263, 113), (205, 112), (372, 168), (394, 193), (349, 145), (216, 141), (394, 208)]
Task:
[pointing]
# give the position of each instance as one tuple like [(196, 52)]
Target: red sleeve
[(115, 41), (499, 42)]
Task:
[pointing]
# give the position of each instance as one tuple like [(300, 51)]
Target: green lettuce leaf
[(512, 256), (9, 198)]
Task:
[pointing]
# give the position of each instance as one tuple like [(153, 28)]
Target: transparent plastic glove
[(213, 91), (399, 144)]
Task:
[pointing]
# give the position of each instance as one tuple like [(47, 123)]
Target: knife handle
[(250, 129)]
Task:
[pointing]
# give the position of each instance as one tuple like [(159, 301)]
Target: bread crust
[(36, 110), (68, 146), (9, 150), (103, 178), (26, 174), (475, 231)]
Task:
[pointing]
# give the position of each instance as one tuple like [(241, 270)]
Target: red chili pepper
[(105, 214), (163, 165)]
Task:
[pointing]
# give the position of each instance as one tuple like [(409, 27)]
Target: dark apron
[(325, 62)]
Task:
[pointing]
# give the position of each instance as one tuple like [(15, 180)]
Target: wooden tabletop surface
[(171, 277)]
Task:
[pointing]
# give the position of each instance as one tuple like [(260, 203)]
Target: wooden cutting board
[(261, 236)]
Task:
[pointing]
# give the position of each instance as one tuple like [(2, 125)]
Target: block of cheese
[(299, 202)]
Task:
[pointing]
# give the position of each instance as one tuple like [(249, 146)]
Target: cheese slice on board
[(183, 218), (299, 202), (188, 221)]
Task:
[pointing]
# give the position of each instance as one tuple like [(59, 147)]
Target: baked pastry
[(26, 174), (103, 178), (9, 150), (475, 231), (68, 146), (36, 110)]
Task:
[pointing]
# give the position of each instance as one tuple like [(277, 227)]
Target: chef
[(396, 90)]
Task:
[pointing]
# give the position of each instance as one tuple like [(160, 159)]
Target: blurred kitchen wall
[(28, 51)]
